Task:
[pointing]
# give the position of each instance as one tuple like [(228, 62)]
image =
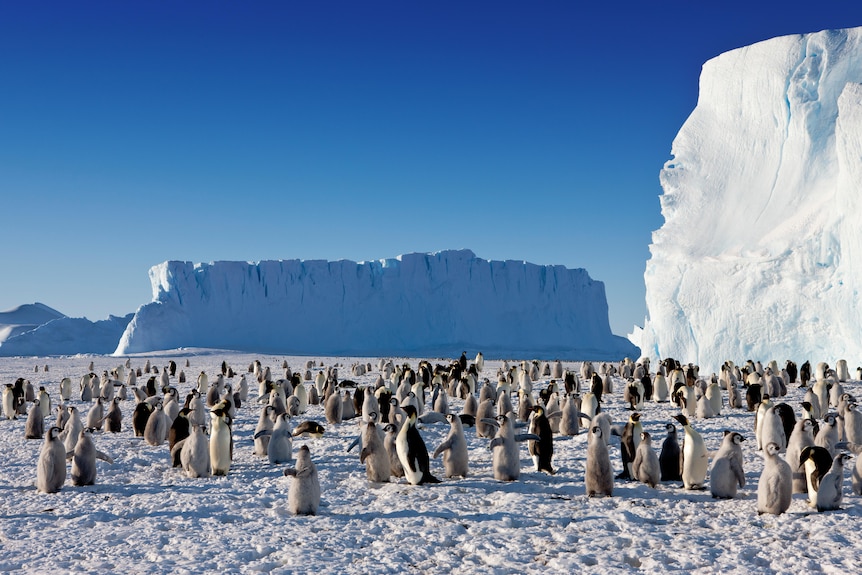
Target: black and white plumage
[(412, 451)]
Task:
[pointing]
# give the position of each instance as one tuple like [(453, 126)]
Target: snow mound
[(25, 318), (759, 253), (430, 304)]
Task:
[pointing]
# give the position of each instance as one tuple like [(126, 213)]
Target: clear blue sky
[(137, 132)]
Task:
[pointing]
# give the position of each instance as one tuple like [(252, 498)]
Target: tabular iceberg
[(760, 254), (417, 304)]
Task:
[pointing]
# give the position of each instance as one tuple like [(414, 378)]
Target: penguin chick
[(646, 467), (598, 477), (726, 473), (776, 484), (454, 449), (303, 496), (831, 491)]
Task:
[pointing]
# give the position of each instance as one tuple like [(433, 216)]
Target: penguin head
[(772, 448), (645, 436), (596, 430), (635, 417), (681, 418)]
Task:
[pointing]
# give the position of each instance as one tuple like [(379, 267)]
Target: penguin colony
[(808, 449)]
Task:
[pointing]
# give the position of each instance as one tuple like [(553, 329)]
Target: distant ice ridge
[(68, 336), (760, 255), (416, 304)]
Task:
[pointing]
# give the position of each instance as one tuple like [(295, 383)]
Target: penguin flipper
[(432, 417), (442, 447), (527, 437), (618, 430), (354, 444), (263, 432), (104, 457), (497, 441)]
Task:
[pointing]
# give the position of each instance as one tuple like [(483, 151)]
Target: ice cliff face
[(416, 304), (760, 255)]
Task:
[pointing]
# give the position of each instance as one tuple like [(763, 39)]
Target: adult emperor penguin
[(454, 449), (695, 461), (831, 491), (774, 489), (646, 467), (816, 461), (221, 442), (180, 429), (9, 407), (51, 469), (84, 459), (629, 441), (598, 477), (726, 473), (195, 453), (412, 451), (543, 449), (303, 496)]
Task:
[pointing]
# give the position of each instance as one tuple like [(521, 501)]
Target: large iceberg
[(417, 304), (68, 336), (760, 255)]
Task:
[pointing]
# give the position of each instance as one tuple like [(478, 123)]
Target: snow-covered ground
[(143, 516)]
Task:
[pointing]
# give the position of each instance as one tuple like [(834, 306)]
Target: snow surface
[(142, 516), (415, 304), (760, 252)]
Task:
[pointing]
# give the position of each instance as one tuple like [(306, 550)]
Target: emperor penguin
[(726, 473), (816, 461), (598, 477), (156, 430), (280, 448), (373, 454), (84, 459), (9, 407), (180, 429), (713, 395), (831, 491), (412, 451), (221, 442), (629, 441), (827, 437), (646, 467), (772, 428), (35, 426), (303, 496), (72, 428), (195, 453), (853, 423), (334, 408), (484, 414), (695, 461), (670, 458), (801, 438), (542, 449), (454, 449), (96, 414), (569, 416), (774, 489), (65, 389), (856, 477), (264, 425), (391, 433), (660, 391), (44, 401), (505, 460), (51, 469), (114, 417)]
